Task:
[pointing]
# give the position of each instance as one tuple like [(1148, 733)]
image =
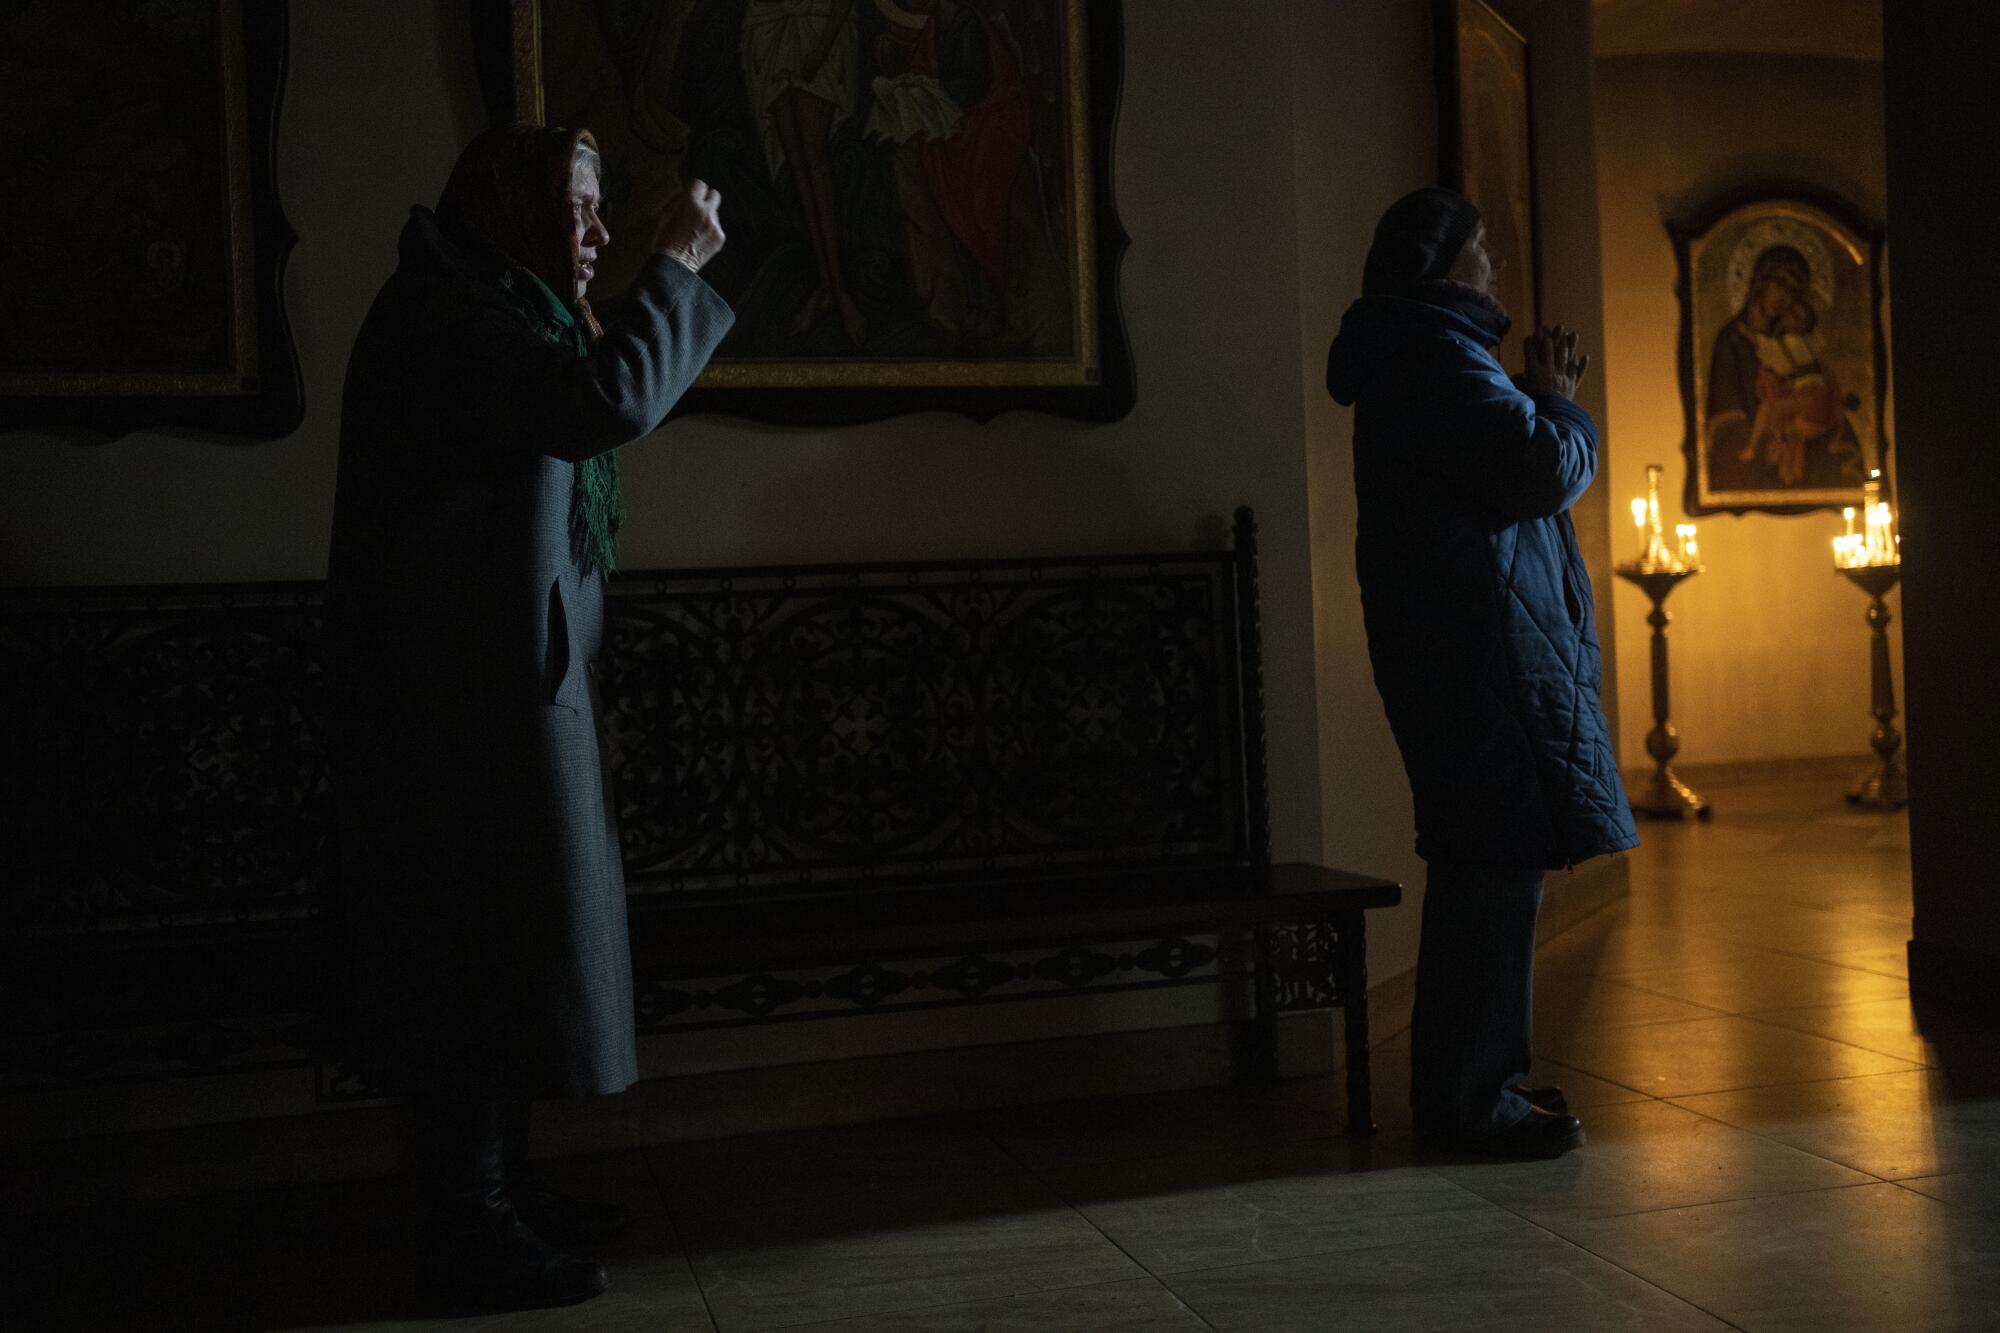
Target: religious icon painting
[(1486, 148), (142, 270), (1782, 358), (916, 193)]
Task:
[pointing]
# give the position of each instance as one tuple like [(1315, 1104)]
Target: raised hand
[(690, 227)]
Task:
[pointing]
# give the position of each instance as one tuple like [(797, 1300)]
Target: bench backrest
[(162, 758), (821, 730)]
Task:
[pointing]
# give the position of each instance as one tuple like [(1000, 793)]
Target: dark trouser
[(1472, 1033)]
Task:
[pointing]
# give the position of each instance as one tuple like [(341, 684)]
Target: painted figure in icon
[(800, 70), (1776, 415)]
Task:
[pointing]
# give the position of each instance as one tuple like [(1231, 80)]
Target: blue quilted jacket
[(1476, 600)]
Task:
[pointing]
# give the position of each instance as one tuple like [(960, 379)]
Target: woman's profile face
[(1475, 266), (588, 233)]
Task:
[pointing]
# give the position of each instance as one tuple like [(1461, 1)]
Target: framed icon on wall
[(142, 273), (917, 196), (1783, 361)]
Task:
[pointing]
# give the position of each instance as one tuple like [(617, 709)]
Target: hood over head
[(510, 189), (1418, 240)]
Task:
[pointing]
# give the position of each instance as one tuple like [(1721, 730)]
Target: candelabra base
[(1884, 787), (1665, 796)]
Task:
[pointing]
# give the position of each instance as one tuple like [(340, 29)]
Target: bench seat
[(1306, 923)]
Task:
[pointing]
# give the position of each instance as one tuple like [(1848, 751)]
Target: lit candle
[(1656, 541), (1639, 519), (1685, 531), (1878, 543), (1848, 514)]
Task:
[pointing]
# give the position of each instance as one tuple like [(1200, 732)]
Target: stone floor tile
[(653, 1300), (1892, 961), (943, 1150), (1811, 932), (1874, 1257), (1157, 1124), (1892, 1125), (1643, 1155), (1888, 1026), (1783, 925), (1174, 1215), (1521, 1279), (1713, 1055), (1114, 1307), (1975, 1191), (327, 1257), (878, 1251), (1571, 1003), (1582, 1091), (1326, 1095), (1771, 981), (1605, 947)]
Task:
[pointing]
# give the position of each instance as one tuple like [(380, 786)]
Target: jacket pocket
[(559, 673)]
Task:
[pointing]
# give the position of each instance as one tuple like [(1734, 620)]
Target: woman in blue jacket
[(1484, 647)]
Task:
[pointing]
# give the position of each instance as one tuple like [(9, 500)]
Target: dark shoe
[(1537, 1134), (493, 1262), (1548, 1099), (564, 1219)]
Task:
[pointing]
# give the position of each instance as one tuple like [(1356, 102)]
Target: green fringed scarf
[(595, 510)]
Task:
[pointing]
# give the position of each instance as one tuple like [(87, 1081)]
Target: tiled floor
[(1773, 1145)]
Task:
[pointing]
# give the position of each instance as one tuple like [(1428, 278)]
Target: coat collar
[(430, 247)]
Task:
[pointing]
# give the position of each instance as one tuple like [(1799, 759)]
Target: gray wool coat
[(481, 888)]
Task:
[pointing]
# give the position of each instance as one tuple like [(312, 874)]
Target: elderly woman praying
[(476, 515), (1483, 639)]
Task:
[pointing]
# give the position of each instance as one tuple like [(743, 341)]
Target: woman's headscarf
[(511, 189)]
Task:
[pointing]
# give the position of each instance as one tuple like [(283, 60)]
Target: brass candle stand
[(1665, 796), (1886, 786)]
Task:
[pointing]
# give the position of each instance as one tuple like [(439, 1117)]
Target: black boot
[(549, 1213), (476, 1253)]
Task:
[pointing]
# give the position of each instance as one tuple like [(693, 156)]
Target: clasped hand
[(1553, 363)]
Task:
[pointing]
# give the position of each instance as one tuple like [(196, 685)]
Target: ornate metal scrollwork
[(1304, 966), (162, 760), (786, 729)]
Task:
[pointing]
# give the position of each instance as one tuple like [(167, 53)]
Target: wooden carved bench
[(842, 789)]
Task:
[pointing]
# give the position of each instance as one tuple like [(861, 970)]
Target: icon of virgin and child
[(1777, 417)]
